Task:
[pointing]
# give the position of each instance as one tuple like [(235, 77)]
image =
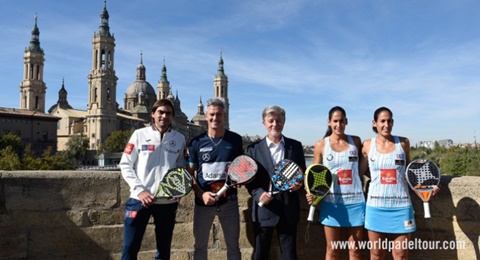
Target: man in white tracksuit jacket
[(149, 154)]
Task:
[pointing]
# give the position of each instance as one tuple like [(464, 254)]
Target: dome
[(140, 86)]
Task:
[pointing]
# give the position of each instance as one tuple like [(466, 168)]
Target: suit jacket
[(284, 205)]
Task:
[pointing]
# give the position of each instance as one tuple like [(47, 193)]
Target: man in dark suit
[(280, 211)]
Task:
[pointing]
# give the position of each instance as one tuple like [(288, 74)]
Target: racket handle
[(311, 213), (221, 191), (260, 204), (426, 209)]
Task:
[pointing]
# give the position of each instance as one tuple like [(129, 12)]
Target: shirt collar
[(270, 142), (154, 128)]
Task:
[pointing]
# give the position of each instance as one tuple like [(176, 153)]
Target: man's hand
[(209, 198), (265, 198), (295, 187), (146, 198)]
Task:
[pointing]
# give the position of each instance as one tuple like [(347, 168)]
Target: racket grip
[(260, 204), (426, 209), (311, 213), (221, 191)]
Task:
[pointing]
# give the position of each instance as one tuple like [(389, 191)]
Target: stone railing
[(79, 215)]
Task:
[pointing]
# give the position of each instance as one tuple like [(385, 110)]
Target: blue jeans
[(229, 218), (136, 221)]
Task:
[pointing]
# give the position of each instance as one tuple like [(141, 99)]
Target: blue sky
[(419, 58)]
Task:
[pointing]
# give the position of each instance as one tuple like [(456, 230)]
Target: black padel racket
[(286, 173), (176, 183), (423, 176), (241, 170), (318, 180)]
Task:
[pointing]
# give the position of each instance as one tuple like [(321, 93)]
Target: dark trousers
[(287, 239), (136, 221)]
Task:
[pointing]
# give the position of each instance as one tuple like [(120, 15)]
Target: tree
[(77, 147), (14, 141), (116, 142), (9, 159)]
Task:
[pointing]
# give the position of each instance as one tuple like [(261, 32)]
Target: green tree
[(14, 141), (30, 161), (76, 148), (116, 142), (9, 159), (59, 161)]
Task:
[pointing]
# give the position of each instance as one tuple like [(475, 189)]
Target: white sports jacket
[(147, 158)]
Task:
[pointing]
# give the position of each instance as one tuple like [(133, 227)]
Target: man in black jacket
[(280, 211)]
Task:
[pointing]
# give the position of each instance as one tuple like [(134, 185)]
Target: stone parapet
[(79, 215)]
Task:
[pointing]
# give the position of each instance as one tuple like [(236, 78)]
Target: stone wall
[(79, 215)]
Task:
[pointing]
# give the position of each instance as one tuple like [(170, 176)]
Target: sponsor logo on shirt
[(172, 151), (173, 143), (345, 177), (206, 157), (148, 147), (388, 176), (214, 176), (129, 148), (329, 157), (206, 149)]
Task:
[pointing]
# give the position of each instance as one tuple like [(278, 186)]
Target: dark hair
[(377, 112), (163, 103), (330, 114)]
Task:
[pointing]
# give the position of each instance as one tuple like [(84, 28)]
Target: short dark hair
[(162, 103)]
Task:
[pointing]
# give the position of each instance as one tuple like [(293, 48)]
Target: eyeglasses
[(164, 112)]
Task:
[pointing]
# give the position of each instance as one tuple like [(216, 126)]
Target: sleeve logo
[(129, 148)]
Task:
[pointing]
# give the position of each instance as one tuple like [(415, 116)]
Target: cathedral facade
[(103, 114)]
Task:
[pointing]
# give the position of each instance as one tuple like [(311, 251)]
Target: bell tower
[(163, 87), (220, 89), (102, 85), (32, 88)]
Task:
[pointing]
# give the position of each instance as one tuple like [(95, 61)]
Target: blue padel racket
[(286, 174), (176, 183), (423, 176), (240, 171), (318, 180)]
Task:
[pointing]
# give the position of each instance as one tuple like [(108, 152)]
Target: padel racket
[(241, 170), (176, 183), (423, 176), (286, 173), (318, 180)]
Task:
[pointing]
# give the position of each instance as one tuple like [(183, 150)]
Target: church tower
[(163, 87), (32, 88), (220, 88), (102, 85)]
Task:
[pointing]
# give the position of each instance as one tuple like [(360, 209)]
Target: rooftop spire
[(220, 71), (164, 72), (104, 29), (35, 40), (141, 71)]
